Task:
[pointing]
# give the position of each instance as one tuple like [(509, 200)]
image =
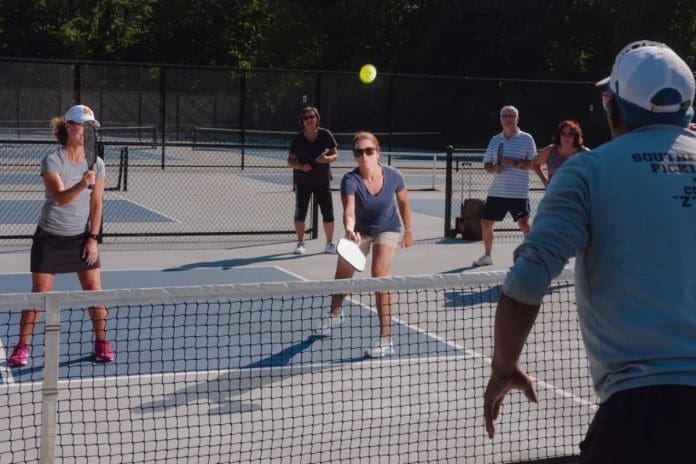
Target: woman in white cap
[(65, 240)]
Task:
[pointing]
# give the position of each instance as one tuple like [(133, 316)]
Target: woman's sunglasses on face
[(308, 117), (359, 152)]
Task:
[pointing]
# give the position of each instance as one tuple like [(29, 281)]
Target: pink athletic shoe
[(20, 355), (102, 351)]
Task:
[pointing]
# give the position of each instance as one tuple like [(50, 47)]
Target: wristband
[(94, 236)]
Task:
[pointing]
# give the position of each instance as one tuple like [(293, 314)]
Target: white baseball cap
[(80, 114), (651, 76)]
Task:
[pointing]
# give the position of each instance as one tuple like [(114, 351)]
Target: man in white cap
[(627, 211)]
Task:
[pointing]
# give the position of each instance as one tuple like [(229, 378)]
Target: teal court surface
[(229, 370), (264, 333)]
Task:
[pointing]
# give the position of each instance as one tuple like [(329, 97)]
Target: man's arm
[(513, 322)]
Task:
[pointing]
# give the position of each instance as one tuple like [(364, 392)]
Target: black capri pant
[(303, 193)]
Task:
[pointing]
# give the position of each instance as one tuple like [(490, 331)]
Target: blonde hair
[(366, 135), (59, 130)]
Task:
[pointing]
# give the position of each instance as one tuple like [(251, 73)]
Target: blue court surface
[(200, 336), (115, 211)]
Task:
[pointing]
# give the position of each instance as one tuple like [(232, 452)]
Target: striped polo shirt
[(512, 182)]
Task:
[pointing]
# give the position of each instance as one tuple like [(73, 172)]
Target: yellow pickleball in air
[(368, 73)]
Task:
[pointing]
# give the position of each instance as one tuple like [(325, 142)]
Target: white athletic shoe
[(330, 249), (300, 248), (328, 322), (382, 347), (484, 260)]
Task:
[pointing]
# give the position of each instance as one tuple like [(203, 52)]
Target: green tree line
[(533, 39)]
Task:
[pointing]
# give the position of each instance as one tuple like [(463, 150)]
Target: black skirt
[(56, 254)]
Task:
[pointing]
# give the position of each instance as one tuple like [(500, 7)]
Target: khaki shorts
[(385, 238)]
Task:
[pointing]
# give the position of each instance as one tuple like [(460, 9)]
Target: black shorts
[(643, 425), (322, 193), (57, 254), (497, 207)]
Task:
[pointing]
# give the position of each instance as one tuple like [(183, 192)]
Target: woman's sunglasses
[(369, 151)]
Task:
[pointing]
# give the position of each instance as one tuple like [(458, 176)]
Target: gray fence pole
[(448, 192), (163, 108), (242, 111)]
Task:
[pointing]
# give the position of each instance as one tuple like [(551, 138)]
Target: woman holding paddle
[(371, 220), (65, 240)]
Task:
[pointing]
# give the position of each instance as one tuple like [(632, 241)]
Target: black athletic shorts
[(57, 254), (322, 193), (643, 425), (497, 207)]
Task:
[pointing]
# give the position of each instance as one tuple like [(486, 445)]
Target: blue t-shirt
[(627, 211), (374, 214)]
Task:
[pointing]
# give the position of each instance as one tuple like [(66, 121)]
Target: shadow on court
[(226, 264), (223, 393), (211, 336)]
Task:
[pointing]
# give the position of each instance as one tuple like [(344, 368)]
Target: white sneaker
[(484, 260), (328, 322), (330, 249), (382, 347), (300, 249)]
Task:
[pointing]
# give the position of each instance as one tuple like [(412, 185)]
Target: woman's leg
[(381, 267), (40, 282), (343, 271), (91, 280)]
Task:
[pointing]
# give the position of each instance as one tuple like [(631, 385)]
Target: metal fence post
[(76, 82), (448, 191), (242, 110), (49, 392), (163, 108)]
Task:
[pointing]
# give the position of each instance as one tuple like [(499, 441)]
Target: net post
[(448, 191), (49, 390)]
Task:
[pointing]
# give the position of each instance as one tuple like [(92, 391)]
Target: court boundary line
[(475, 354), (144, 207), (302, 368), (5, 369)]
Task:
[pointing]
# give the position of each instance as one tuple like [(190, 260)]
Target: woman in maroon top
[(311, 152)]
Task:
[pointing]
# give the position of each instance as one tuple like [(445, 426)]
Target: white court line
[(5, 371), (488, 360), (249, 372), (145, 207)]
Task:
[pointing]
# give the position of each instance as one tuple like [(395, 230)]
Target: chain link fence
[(181, 191), (466, 179), (200, 151), (176, 99)]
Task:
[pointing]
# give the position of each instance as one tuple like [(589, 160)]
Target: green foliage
[(536, 39)]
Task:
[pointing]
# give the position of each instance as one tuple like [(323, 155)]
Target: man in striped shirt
[(508, 157)]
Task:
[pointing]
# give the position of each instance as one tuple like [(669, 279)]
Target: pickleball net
[(235, 373)]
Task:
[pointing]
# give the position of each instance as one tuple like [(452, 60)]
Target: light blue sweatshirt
[(627, 211)]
